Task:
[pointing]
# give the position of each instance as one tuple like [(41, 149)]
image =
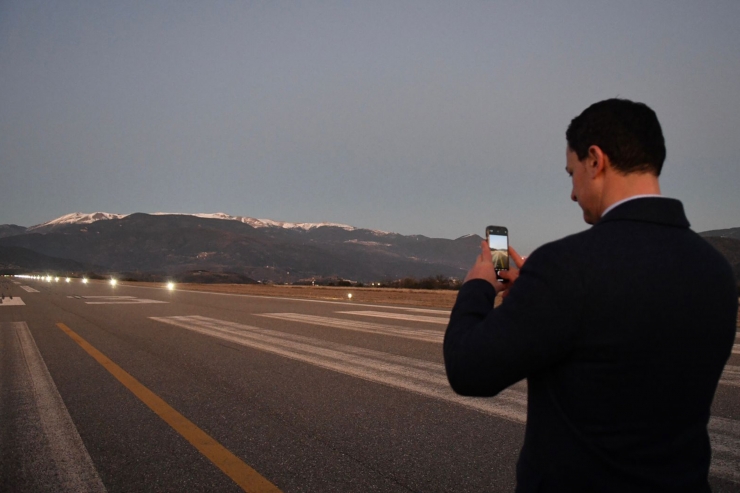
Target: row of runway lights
[(113, 282), (170, 285)]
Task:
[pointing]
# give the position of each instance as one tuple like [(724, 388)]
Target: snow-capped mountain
[(75, 218), (165, 244), (264, 223), (173, 244), (85, 218)]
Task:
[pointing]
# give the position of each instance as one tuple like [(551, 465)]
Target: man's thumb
[(485, 252)]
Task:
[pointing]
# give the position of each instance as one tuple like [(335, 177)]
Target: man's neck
[(616, 204), (619, 188)]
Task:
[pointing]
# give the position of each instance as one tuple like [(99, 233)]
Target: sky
[(417, 117)]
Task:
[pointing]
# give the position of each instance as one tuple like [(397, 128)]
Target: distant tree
[(432, 282)]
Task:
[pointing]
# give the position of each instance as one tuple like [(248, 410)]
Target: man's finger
[(518, 260), (485, 252), (509, 275)]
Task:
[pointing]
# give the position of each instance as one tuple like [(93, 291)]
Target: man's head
[(629, 133), (615, 149)]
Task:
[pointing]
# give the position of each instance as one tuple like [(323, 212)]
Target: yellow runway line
[(243, 475)]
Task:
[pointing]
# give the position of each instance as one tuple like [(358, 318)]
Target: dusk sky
[(418, 117)]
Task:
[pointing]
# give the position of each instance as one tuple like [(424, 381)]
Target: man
[(622, 331)]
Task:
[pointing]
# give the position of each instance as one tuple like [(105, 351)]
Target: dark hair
[(628, 132)]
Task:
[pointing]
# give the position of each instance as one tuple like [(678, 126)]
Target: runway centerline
[(242, 474)]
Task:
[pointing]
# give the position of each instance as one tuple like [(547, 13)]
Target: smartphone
[(498, 242)]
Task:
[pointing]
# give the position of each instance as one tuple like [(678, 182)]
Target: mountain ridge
[(722, 233), (175, 243), (280, 252), (89, 218)]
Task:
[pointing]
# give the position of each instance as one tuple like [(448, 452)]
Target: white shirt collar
[(627, 200)]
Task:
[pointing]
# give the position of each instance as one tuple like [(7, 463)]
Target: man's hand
[(511, 275), (483, 269)]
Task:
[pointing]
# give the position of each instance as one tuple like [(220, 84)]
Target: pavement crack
[(235, 348)]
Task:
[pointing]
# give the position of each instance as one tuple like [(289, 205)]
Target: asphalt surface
[(307, 395)]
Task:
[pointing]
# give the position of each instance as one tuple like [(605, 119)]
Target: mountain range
[(224, 248), (733, 233), (181, 245), (727, 241)]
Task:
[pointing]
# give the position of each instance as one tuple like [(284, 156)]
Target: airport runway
[(122, 388)]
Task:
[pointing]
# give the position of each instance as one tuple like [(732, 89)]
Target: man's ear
[(596, 161)]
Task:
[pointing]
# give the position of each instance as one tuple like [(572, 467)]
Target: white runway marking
[(299, 300), (736, 349), (54, 452), (341, 323), (725, 437), (443, 313), (16, 301), (418, 376), (731, 376), (400, 316), (421, 377), (108, 297), (137, 301), (118, 300), (29, 289)]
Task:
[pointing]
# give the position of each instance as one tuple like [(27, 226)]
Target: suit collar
[(658, 210)]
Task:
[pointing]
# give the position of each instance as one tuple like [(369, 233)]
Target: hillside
[(174, 244), (220, 247), (730, 248), (723, 233), (11, 230), (727, 241), (17, 260)]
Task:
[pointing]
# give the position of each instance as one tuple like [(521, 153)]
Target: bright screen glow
[(499, 251)]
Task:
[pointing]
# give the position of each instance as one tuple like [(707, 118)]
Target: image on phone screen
[(499, 245)]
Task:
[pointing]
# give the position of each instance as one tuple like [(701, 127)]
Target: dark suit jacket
[(622, 332)]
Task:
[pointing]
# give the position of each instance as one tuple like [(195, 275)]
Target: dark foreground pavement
[(142, 389)]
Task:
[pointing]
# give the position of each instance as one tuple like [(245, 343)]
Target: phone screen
[(499, 245)]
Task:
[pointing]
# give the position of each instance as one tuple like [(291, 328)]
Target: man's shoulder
[(567, 246), (575, 256), (562, 260), (628, 236)]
